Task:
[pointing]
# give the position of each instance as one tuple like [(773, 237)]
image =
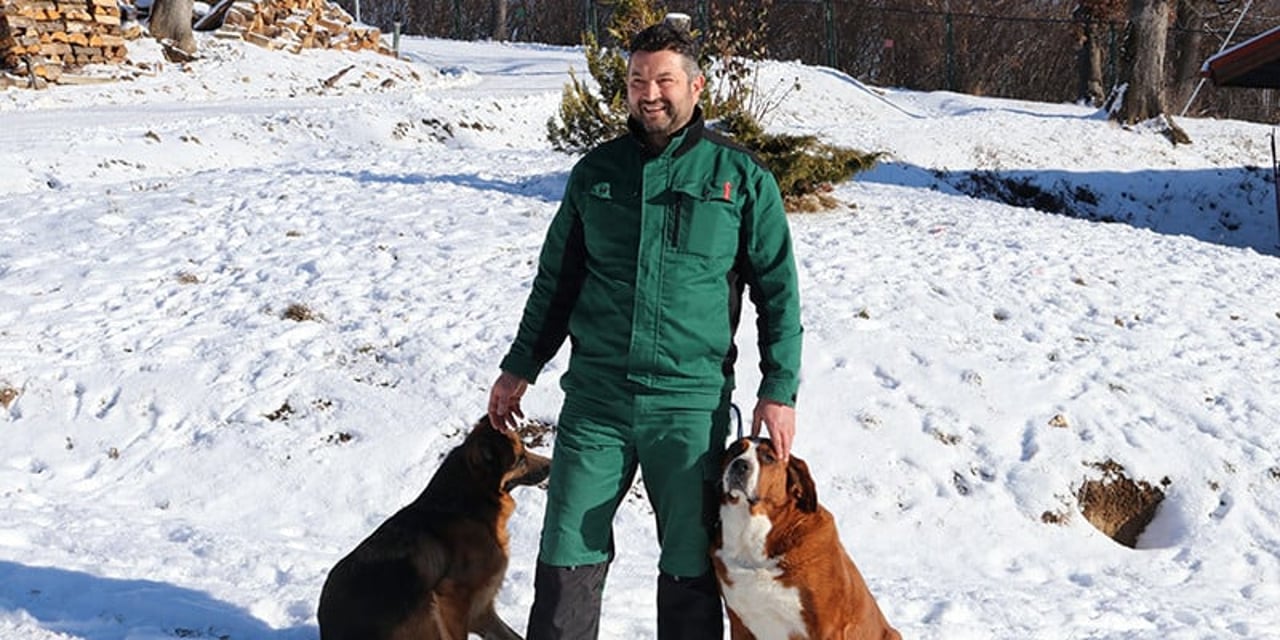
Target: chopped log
[(333, 79), (297, 24), (55, 49), (54, 35), (253, 37)]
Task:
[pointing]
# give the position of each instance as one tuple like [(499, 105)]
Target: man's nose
[(648, 91)]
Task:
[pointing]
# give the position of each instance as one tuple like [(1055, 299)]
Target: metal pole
[(395, 38), (1275, 178), (357, 11)]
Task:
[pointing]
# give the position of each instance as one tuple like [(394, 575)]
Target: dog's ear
[(800, 485), (481, 451), (489, 451)]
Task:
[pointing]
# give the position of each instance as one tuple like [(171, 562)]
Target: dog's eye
[(736, 448), (766, 456)]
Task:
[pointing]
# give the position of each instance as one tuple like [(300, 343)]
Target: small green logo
[(601, 190)]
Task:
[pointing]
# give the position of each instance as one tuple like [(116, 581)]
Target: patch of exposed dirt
[(1118, 505)]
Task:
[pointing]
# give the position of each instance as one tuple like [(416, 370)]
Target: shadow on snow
[(1234, 207), (547, 188), (97, 608)]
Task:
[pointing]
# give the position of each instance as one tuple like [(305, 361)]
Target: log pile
[(294, 25), (43, 38)]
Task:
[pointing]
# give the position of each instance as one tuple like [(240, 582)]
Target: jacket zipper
[(675, 222)]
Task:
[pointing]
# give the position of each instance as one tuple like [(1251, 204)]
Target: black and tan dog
[(432, 570)]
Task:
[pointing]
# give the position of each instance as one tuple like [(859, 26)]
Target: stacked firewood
[(43, 38), (294, 25)]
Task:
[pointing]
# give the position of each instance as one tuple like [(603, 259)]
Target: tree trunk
[(1187, 57), (1091, 54), (499, 20), (171, 20), (1096, 33), (1140, 93)]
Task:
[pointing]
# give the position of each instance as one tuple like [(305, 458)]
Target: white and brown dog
[(782, 569)]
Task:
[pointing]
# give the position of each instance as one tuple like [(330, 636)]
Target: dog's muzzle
[(737, 478)]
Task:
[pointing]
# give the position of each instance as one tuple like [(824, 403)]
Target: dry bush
[(535, 432), (280, 414), (299, 312)]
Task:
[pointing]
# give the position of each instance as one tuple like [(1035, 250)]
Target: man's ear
[(800, 485)]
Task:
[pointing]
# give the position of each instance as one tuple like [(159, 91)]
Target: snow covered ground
[(180, 458)]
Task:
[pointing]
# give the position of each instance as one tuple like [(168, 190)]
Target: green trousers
[(600, 442)]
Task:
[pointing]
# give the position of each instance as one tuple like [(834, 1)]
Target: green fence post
[(951, 53), (831, 33)]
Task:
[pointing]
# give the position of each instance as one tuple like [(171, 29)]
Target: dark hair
[(665, 36)]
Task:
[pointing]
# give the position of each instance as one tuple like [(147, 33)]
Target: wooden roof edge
[(1237, 59)]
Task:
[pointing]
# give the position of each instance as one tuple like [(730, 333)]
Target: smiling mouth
[(653, 109)]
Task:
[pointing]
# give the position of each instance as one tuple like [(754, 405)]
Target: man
[(643, 268)]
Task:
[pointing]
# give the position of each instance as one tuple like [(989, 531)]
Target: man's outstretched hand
[(504, 401), (780, 420)]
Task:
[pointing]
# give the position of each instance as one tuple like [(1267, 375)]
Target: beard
[(657, 116)]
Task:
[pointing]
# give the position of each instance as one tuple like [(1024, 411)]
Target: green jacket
[(644, 266)]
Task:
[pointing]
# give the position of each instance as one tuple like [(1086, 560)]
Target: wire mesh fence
[(1004, 48)]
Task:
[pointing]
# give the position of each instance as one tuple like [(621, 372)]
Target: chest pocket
[(611, 221), (703, 221)]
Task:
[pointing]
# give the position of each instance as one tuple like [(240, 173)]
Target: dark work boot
[(566, 602), (689, 608)]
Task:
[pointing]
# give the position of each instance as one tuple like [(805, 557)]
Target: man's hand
[(504, 401), (780, 420)]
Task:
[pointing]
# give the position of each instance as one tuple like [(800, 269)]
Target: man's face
[(660, 93)]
